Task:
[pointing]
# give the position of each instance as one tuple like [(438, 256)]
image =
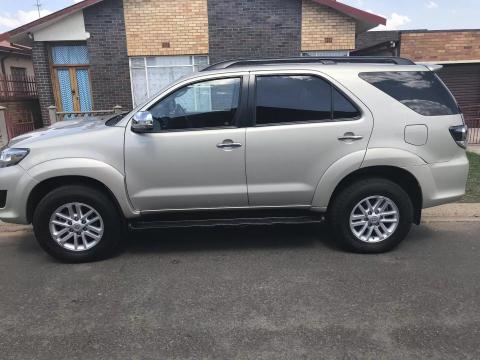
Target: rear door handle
[(350, 137), (228, 145)]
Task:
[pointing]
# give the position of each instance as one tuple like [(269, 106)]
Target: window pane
[(160, 77), (423, 92), (139, 86), (70, 55), (137, 62), (207, 104), (283, 99), (169, 60), (342, 107)]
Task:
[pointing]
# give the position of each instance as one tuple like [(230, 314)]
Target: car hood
[(61, 128)]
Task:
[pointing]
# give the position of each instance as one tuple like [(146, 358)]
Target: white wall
[(19, 61), (70, 28)]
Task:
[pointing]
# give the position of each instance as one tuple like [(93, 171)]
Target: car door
[(302, 124), (195, 156)]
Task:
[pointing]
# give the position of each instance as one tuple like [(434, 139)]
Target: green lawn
[(473, 184)]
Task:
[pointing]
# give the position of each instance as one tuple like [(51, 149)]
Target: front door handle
[(228, 144), (349, 136)]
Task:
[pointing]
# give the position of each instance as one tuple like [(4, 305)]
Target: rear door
[(301, 125)]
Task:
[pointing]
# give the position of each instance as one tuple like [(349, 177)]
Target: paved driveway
[(272, 293)]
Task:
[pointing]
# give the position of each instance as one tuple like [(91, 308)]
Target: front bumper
[(18, 185)]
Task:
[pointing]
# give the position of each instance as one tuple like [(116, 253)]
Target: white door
[(302, 125), (195, 156)]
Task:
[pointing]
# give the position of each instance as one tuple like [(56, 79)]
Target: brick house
[(18, 96), (457, 50), (100, 53)]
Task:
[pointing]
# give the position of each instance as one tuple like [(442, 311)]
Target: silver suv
[(365, 143)]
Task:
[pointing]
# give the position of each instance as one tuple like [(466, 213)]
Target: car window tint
[(421, 91), (283, 99), (207, 104), (343, 109)]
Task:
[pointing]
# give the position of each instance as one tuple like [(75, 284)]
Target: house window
[(326, 53), (151, 74), (19, 80)]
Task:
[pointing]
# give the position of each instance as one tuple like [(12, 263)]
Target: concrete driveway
[(246, 293)]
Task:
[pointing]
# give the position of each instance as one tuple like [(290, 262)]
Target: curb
[(468, 212), (11, 228)]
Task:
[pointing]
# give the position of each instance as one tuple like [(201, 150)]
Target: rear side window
[(421, 91), (299, 98)]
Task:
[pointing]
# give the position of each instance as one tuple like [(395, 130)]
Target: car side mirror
[(142, 122)]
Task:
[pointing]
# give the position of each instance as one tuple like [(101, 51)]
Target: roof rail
[(313, 59)]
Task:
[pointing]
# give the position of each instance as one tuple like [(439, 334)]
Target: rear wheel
[(76, 223), (371, 215)]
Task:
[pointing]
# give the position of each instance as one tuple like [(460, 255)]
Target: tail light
[(460, 135)]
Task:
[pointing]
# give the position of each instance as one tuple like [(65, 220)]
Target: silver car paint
[(307, 161)]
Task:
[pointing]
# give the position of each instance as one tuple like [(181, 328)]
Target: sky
[(401, 14)]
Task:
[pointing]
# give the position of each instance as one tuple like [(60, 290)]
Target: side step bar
[(159, 224)]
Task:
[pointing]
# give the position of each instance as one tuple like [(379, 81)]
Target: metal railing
[(15, 87), (472, 119), (56, 116)]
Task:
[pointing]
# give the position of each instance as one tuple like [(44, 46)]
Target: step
[(165, 224)]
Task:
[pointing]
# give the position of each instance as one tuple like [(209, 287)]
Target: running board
[(159, 224)]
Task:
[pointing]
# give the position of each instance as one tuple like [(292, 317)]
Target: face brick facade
[(107, 51), (326, 29), (166, 27), (43, 78), (246, 29), (441, 45)]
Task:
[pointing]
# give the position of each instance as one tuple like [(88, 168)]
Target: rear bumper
[(18, 185), (443, 182)]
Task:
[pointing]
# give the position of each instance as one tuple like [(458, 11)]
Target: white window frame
[(146, 67)]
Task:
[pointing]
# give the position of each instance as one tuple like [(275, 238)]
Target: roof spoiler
[(328, 60), (432, 67)]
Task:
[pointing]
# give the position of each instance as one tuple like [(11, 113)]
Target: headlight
[(10, 157)]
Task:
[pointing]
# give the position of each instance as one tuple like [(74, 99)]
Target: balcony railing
[(17, 88), (472, 119)]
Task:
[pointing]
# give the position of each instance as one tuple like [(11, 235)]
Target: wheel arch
[(405, 179), (47, 185)]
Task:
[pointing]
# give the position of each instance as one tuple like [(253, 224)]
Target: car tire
[(92, 235), (349, 214)]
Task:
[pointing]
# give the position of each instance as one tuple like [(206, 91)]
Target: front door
[(303, 124), (74, 89), (71, 78), (195, 156)]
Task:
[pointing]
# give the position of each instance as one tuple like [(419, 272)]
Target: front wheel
[(75, 223), (371, 215)]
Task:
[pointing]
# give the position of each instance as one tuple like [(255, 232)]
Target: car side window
[(207, 104), (343, 109), (300, 98), (292, 98)]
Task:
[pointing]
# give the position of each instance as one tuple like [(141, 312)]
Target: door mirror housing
[(142, 122)]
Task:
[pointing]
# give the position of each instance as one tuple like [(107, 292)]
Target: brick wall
[(166, 27), (441, 45), (326, 29), (259, 28), (43, 79), (107, 49)]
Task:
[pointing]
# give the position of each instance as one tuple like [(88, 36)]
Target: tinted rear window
[(423, 92), (300, 98)]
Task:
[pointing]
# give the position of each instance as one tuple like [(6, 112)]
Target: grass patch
[(473, 183)]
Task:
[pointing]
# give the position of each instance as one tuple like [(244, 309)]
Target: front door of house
[(71, 78)]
